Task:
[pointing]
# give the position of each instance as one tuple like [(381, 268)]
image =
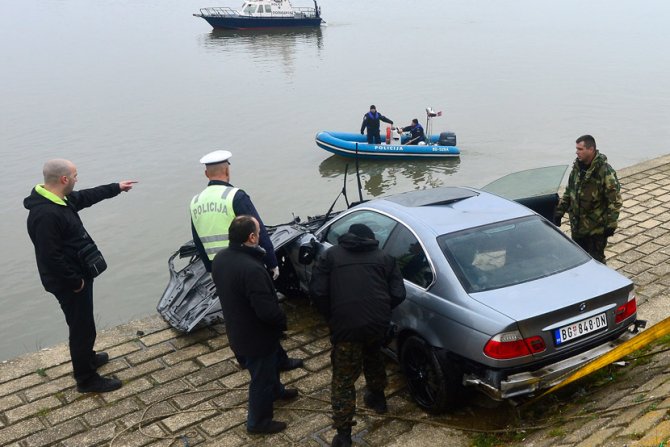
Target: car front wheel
[(432, 386)]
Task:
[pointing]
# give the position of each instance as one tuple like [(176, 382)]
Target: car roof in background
[(449, 209)]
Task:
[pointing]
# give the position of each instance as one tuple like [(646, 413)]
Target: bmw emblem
[(582, 307)]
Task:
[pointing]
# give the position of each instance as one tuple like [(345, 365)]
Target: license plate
[(576, 330)]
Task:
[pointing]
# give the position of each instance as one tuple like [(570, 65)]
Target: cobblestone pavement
[(188, 390)]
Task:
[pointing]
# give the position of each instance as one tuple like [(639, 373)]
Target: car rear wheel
[(432, 386)]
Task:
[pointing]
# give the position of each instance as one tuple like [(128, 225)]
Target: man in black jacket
[(254, 321), (371, 120), (355, 285), (58, 234)]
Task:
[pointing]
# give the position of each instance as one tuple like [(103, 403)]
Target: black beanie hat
[(361, 230)]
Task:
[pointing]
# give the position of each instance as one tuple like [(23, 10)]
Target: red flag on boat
[(439, 113)]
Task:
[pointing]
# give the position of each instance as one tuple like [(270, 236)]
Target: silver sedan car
[(498, 298)]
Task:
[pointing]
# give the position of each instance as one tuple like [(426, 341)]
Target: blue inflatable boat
[(356, 145)]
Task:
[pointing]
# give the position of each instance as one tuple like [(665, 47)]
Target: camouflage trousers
[(594, 245), (348, 360)]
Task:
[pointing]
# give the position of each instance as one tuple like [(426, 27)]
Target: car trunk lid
[(545, 306)]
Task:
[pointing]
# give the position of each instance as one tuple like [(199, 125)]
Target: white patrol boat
[(260, 14)]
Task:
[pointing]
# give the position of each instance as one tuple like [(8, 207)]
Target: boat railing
[(220, 11), (304, 12), (224, 11)]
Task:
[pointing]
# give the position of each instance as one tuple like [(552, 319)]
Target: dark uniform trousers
[(264, 388), (374, 137), (78, 310), (348, 359), (594, 245)]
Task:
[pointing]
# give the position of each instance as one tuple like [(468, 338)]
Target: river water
[(142, 89)]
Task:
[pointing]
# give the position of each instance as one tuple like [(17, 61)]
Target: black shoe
[(289, 393), (99, 384), (375, 401), (290, 364), (100, 359), (341, 439), (269, 428)]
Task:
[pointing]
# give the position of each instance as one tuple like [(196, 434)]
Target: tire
[(432, 386)]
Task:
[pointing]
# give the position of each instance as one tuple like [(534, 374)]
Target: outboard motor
[(447, 139)]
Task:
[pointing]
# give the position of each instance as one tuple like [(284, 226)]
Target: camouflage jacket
[(592, 198)]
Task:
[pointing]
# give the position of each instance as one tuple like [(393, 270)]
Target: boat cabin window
[(249, 9), (268, 9)]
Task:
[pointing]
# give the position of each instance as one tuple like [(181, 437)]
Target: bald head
[(60, 176), (219, 171), (55, 169)]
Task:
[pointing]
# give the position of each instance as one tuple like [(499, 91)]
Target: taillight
[(510, 345), (626, 310)]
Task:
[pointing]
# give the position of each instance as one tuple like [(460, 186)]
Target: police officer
[(212, 212), (592, 199), (355, 285), (371, 121), (416, 130)]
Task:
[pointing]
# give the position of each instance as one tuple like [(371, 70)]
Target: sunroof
[(433, 196)]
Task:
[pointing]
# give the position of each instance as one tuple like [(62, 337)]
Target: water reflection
[(265, 46), (378, 177)]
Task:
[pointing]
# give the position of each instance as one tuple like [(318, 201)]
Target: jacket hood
[(599, 160), (351, 242), (41, 196)]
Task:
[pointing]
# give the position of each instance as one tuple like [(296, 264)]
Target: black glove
[(557, 220), (362, 133), (609, 232)]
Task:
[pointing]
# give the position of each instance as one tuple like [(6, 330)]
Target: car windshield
[(508, 253)]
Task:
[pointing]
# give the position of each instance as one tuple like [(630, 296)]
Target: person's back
[(355, 285), (361, 302)]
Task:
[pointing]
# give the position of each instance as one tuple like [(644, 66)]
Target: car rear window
[(508, 253)]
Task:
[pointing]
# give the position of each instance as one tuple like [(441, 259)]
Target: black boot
[(375, 401), (342, 438)]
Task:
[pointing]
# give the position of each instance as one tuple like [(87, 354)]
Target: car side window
[(410, 257), (380, 225)]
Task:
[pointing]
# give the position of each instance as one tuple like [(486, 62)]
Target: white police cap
[(216, 157)]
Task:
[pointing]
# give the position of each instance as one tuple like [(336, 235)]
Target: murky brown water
[(141, 90)]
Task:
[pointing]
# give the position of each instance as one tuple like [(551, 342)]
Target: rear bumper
[(545, 377)]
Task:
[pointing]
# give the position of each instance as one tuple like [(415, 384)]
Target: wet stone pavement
[(187, 390)]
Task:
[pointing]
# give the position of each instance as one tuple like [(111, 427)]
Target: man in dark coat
[(254, 321), (58, 234), (355, 286), (371, 120)]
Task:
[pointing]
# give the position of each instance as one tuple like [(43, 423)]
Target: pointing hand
[(127, 185)]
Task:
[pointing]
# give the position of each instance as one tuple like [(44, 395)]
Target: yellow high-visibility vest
[(211, 214)]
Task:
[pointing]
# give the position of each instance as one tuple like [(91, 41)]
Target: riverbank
[(188, 390)]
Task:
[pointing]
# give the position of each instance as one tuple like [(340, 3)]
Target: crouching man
[(355, 285)]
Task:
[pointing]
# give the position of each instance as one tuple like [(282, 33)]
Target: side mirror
[(307, 252)]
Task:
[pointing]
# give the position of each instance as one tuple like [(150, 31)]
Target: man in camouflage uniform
[(592, 199), (355, 285)]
